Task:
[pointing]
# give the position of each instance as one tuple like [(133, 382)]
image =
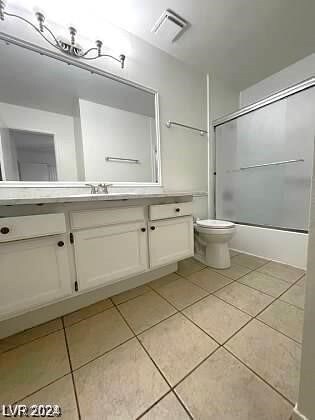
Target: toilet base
[(218, 255)]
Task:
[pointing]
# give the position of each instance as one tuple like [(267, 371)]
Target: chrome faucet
[(103, 188), (94, 188), (99, 189)]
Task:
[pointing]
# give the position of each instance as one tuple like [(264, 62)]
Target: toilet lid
[(215, 224)]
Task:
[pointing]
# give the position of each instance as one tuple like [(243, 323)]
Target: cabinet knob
[(152, 228), (61, 243), (4, 230), (143, 229), (177, 209)]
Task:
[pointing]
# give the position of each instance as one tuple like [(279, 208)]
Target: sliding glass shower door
[(264, 162)]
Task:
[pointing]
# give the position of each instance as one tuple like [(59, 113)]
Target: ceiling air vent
[(170, 26)]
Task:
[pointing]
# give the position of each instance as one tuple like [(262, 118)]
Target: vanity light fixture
[(65, 46)]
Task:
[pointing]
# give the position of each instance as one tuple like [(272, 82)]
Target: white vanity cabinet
[(170, 233), (34, 272), (107, 254), (170, 240), (46, 258), (109, 245)]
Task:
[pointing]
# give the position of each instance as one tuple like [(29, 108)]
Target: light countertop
[(90, 197)]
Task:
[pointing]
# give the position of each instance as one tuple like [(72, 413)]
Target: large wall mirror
[(64, 123)]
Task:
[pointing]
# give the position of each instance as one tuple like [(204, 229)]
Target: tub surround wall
[(277, 245)]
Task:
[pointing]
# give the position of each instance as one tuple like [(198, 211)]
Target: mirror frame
[(9, 39)]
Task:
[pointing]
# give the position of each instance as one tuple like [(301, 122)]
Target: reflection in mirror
[(59, 122), (29, 156)]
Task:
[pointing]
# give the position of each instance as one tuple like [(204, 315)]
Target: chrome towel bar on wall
[(118, 159), (201, 131)]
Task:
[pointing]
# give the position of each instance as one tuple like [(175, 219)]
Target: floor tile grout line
[(231, 304), (261, 291), (259, 376), (152, 360), (196, 367), (278, 278), (252, 316), (181, 278), (277, 298), (260, 312), (213, 291), (133, 297), (71, 370), (30, 341), (154, 404), (281, 332), (257, 319), (217, 271), (125, 341), (141, 344), (103, 354), (274, 299), (41, 388), (87, 317), (182, 403), (196, 301), (291, 304), (203, 298), (180, 312)]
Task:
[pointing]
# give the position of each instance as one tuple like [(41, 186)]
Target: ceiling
[(238, 41)]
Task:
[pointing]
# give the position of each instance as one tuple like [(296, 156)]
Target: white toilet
[(215, 235)]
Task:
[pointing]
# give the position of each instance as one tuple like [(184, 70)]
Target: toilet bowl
[(215, 235)]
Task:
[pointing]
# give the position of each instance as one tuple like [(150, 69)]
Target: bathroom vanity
[(52, 249)]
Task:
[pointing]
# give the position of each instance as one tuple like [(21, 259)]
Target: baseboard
[(47, 313), (296, 415)]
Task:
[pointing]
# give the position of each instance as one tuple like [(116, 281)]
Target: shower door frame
[(275, 97)]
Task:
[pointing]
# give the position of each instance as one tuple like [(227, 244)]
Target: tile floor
[(199, 343)]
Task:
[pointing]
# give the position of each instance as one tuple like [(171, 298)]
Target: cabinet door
[(33, 272), (107, 254), (170, 240)]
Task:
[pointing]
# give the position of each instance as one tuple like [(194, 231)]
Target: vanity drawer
[(167, 211), (24, 227), (105, 217)]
